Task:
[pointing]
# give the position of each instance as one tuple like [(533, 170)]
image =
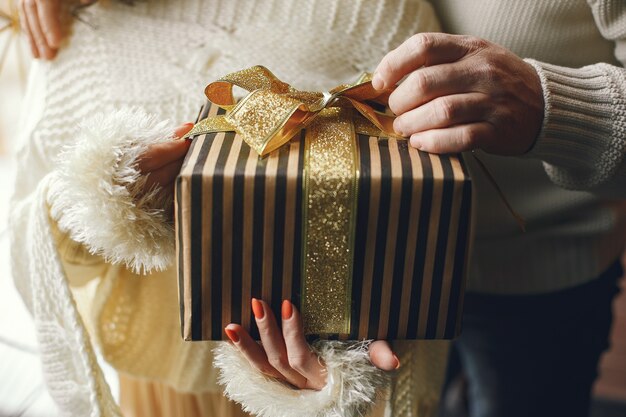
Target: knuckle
[(297, 362), (30, 4), (470, 137), (278, 361), (445, 110), (420, 82), (422, 41)]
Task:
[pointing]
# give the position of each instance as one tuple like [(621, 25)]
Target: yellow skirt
[(142, 398)]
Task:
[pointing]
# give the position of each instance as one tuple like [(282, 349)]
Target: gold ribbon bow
[(273, 111)]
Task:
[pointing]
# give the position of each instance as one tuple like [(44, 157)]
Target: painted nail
[(286, 310), (257, 309), (397, 362), (188, 124), (378, 82), (232, 335)]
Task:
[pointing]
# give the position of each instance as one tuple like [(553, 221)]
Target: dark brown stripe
[(297, 242), (360, 241), (402, 233), (196, 238), (420, 248), (217, 235), (442, 244), (280, 201), (257, 235), (372, 224), (455, 310), (381, 238), (237, 231)]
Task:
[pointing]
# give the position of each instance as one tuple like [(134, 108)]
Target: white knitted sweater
[(158, 55)]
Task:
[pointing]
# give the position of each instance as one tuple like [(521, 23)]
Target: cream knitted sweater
[(158, 55)]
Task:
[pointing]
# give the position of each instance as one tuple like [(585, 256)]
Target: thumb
[(382, 356)]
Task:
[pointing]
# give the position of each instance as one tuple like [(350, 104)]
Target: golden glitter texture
[(330, 191)]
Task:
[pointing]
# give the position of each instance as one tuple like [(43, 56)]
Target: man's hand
[(462, 93), (44, 23)]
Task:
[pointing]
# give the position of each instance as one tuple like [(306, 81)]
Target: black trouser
[(533, 355)]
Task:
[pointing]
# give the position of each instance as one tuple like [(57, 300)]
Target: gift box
[(310, 197)]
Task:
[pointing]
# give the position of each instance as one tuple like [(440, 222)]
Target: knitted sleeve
[(583, 139)]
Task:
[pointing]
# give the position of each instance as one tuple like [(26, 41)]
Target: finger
[(299, 355), (442, 112), (382, 356), (182, 130), (251, 350), (50, 18), (422, 49), (273, 343), (32, 15), (27, 31), (454, 139), (164, 175), (161, 154), (428, 83)]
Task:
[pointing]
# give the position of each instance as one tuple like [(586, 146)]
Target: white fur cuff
[(95, 195), (352, 388)]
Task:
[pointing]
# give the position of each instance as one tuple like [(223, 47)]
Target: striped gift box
[(240, 235)]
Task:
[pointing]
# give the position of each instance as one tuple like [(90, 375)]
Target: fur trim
[(352, 388), (95, 196)]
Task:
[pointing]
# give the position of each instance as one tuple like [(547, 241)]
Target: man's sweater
[(564, 186)]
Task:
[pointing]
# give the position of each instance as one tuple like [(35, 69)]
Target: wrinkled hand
[(162, 162), (285, 354), (462, 93), (44, 23)]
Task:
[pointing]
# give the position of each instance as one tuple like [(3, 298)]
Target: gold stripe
[(431, 245), (268, 224), (372, 223), (186, 244), (451, 249), (227, 230), (417, 174), (207, 242), (392, 238), (248, 224), (290, 218), (329, 217)]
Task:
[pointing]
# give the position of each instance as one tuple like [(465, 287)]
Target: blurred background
[(22, 390)]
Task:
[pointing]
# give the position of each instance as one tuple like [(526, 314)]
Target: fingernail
[(415, 142), (232, 335), (397, 362), (286, 310), (257, 309), (188, 124), (378, 82), (396, 128)]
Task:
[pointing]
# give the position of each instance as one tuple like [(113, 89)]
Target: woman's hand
[(44, 23), (286, 355), (462, 93), (162, 162)]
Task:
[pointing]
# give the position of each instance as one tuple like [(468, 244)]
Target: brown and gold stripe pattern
[(239, 222)]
